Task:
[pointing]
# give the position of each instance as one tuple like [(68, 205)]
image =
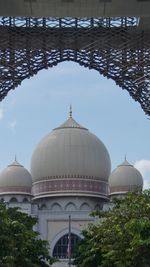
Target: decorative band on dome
[(69, 176), (18, 189), (124, 188), (73, 185)]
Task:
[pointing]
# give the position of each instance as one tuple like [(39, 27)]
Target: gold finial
[(70, 112)]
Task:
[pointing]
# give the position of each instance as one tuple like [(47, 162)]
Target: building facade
[(70, 177)]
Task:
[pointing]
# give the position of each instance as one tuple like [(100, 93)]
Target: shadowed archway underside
[(116, 47)]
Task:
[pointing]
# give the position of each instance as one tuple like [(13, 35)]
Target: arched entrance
[(61, 248)]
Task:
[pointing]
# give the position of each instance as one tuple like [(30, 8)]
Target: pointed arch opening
[(70, 206), (13, 200), (25, 200), (56, 207), (103, 44), (85, 206)]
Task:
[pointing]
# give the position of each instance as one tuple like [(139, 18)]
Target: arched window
[(56, 207), (98, 207), (61, 248), (25, 200), (70, 207), (43, 206), (13, 199), (85, 206)]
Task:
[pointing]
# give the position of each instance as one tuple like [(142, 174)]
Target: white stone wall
[(53, 218)]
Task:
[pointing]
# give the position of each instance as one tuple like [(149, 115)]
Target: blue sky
[(42, 103)]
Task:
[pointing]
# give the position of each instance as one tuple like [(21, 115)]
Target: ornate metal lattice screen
[(116, 47)]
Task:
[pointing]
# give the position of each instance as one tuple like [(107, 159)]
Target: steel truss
[(115, 47)]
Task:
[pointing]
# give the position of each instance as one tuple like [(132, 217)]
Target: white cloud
[(1, 113), (13, 124), (144, 167)]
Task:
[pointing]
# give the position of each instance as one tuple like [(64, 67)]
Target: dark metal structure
[(116, 47)]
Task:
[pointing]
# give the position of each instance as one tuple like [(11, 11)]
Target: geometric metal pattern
[(116, 47)]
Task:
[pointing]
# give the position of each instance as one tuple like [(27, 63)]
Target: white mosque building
[(70, 176)]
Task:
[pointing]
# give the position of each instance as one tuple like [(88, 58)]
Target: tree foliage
[(121, 238), (20, 246)]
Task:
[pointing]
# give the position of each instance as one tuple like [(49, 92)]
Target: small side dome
[(15, 179), (125, 178)]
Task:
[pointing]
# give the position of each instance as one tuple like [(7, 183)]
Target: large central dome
[(70, 160)]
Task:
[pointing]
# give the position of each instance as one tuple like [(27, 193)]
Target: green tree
[(20, 246), (121, 238), (86, 253)]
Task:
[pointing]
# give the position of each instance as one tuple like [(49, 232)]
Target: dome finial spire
[(70, 112)]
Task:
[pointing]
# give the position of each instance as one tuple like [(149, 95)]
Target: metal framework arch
[(115, 47)]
